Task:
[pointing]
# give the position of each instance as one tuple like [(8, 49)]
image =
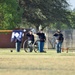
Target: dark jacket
[(59, 36), (30, 37), (42, 37)]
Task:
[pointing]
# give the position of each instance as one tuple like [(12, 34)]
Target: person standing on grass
[(59, 40), (17, 37), (41, 41), (30, 38)]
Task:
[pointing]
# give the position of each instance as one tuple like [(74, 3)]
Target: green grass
[(50, 63)]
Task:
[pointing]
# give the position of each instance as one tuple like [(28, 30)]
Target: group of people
[(41, 40), (17, 36)]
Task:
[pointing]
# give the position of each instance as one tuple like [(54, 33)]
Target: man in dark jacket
[(42, 39), (30, 36), (30, 40), (59, 40)]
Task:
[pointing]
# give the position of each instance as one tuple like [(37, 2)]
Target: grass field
[(50, 63)]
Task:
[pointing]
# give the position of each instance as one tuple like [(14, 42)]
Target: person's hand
[(57, 41)]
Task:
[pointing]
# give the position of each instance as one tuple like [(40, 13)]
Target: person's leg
[(60, 44), (18, 45), (57, 47), (39, 46), (31, 47)]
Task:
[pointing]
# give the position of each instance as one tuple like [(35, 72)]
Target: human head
[(58, 31), (41, 30), (30, 32), (24, 30)]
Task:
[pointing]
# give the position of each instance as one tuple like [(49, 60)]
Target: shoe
[(43, 52)]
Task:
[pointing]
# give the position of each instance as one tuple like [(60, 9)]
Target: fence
[(69, 38), (5, 39)]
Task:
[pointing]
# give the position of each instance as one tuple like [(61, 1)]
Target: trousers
[(18, 46), (58, 47), (40, 46)]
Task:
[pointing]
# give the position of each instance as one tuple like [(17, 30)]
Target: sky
[(72, 3)]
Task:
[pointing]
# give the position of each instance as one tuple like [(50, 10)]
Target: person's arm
[(38, 33), (33, 38), (45, 38), (27, 34), (55, 34)]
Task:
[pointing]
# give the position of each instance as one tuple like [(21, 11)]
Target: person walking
[(59, 40), (41, 41)]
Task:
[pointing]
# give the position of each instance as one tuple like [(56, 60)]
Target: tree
[(72, 19), (45, 12), (10, 14)]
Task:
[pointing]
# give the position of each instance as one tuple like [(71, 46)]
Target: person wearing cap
[(42, 39), (59, 40)]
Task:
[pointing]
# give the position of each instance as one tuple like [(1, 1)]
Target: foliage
[(45, 12), (72, 20), (53, 14), (10, 14)]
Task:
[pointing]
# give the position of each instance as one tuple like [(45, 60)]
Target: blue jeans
[(58, 47), (40, 46), (18, 46)]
